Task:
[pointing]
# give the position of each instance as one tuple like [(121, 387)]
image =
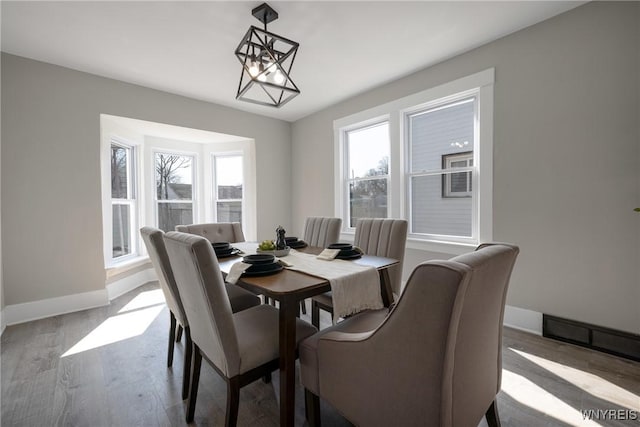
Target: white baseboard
[(523, 319), (129, 283), (34, 310)]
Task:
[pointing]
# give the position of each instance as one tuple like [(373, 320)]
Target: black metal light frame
[(265, 56)]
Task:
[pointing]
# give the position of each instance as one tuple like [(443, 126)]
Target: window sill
[(439, 246), (445, 247), (125, 266)]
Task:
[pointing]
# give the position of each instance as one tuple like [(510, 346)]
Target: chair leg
[(303, 306), (267, 378), (493, 420), (188, 352), (179, 333), (195, 380), (315, 314), (233, 400), (172, 331), (312, 408)]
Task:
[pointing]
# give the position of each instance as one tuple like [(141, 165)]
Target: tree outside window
[(174, 190)]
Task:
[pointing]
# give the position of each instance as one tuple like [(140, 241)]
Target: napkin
[(236, 271), (328, 254), (284, 263)]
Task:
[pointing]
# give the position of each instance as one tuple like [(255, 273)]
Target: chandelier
[(266, 60)]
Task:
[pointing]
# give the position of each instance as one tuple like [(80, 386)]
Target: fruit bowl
[(275, 252)]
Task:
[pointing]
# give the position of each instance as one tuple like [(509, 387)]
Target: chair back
[(437, 352), (205, 299), (387, 238), (322, 231), (476, 357), (154, 242), (216, 232)]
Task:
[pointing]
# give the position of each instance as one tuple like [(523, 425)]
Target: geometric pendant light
[(266, 60)]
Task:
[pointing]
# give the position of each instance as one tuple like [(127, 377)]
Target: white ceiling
[(187, 48)]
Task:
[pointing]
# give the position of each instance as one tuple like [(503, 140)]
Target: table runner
[(354, 287)]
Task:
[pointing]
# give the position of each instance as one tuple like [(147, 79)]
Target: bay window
[(123, 201), (174, 177), (228, 187)]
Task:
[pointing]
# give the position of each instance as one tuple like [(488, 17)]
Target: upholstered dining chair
[(321, 231), (216, 231), (241, 347), (240, 299), (435, 359), (375, 236)]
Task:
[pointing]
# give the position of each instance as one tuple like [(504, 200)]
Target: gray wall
[(566, 151), (51, 200)]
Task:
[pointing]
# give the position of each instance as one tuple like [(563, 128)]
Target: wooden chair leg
[(493, 420), (179, 333), (195, 380), (233, 400), (315, 314), (303, 307), (186, 373), (172, 331), (312, 408), (267, 378)]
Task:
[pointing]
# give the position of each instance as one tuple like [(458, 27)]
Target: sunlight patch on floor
[(131, 321), (529, 394), (144, 299), (592, 384)]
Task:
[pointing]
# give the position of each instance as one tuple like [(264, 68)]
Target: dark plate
[(224, 252), (233, 252), (217, 246), (259, 259), (264, 270), (297, 244), (350, 255), (290, 239), (341, 246)]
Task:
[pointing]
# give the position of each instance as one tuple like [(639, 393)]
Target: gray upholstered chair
[(240, 298), (434, 360), (381, 237), (215, 232), (321, 231), (241, 347)]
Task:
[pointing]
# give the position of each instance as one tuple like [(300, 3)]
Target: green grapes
[(267, 245)]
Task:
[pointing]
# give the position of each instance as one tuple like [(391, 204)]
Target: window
[(228, 188), (426, 158), (458, 184), (367, 178), (440, 199), (174, 190), (123, 202)]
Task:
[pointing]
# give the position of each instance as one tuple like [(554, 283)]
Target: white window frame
[(214, 194), (132, 200), (194, 185), (346, 180), (466, 157), (480, 85)]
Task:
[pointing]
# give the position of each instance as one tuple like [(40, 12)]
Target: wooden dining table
[(289, 287)]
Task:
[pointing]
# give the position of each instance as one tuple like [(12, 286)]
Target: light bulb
[(253, 69), (278, 77)]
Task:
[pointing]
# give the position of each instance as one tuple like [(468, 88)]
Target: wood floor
[(107, 367)]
